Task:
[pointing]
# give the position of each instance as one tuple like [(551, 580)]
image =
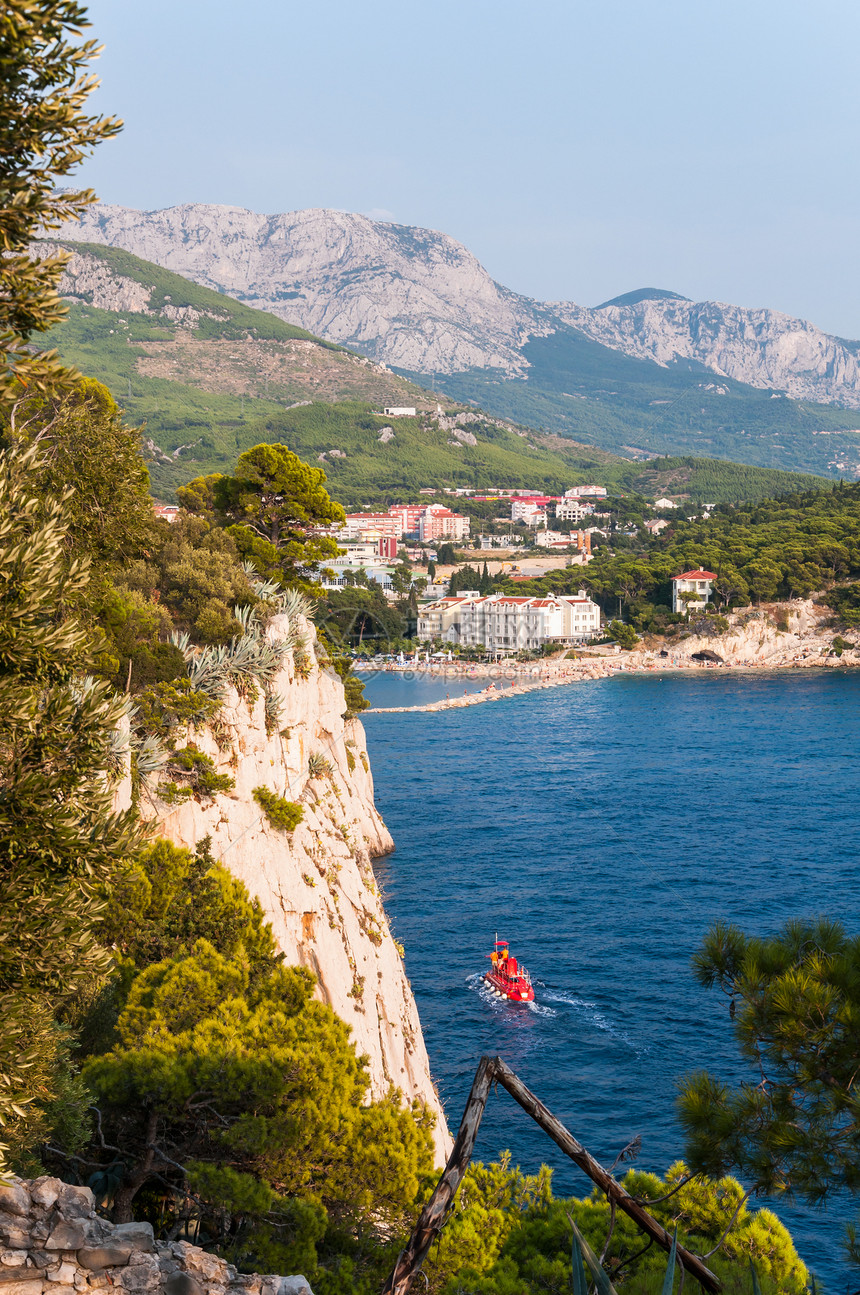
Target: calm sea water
[(601, 828)]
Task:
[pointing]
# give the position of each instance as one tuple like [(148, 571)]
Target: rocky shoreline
[(790, 636)]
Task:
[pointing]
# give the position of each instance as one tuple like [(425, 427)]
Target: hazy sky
[(580, 150)]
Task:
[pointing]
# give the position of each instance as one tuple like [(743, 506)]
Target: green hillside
[(209, 377), (365, 470), (578, 388)]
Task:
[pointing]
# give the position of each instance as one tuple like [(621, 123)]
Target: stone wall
[(52, 1242)]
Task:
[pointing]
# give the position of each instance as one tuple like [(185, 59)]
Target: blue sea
[(601, 828)]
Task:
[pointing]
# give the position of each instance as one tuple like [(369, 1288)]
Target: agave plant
[(248, 617), (293, 602), (274, 703), (116, 752), (182, 641), (318, 765), (580, 1249), (207, 670), (151, 760)]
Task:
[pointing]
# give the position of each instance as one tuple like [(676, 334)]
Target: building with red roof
[(508, 623), (691, 590)]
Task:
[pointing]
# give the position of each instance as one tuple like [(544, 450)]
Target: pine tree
[(58, 835)]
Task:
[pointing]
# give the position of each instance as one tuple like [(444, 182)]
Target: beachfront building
[(506, 623), (696, 585)]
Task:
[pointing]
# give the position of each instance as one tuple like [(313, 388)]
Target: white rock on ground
[(52, 1242)]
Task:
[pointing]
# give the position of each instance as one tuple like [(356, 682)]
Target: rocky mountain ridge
[(420, 301)]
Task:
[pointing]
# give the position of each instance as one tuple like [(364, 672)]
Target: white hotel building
[(506, 623)]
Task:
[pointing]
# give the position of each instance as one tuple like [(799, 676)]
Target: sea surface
[(602, 827)]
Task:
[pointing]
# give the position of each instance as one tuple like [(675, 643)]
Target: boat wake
[(476, 982), (588, 1011)]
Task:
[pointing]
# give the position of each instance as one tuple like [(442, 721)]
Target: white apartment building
[(578, 492), (572, 509), (523, 509), (438, 522), (698, 584), (504, 623)]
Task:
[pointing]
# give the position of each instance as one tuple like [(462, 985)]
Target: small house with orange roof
[(691, 590)]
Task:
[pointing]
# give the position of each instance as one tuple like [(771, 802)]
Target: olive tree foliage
[(794, 1002), (58, 835), (45, 133), (276, 508)]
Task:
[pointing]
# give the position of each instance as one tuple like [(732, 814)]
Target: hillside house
[(697, 585)]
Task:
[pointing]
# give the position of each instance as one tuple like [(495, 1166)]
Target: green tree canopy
[(794, 1002), (275, 507), (87, 451), (223, 1079), (45, 134)]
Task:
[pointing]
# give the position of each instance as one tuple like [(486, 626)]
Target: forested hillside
[(576, 387), (780, 548), (211, 377)]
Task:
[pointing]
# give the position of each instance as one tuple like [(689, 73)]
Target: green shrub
[(623, 635), (165, 706), (282, 814), (197, 771)]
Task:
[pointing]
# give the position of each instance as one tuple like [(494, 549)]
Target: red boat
[(506, 978)]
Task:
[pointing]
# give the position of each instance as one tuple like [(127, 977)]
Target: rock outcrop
[(316, 883), (52, 1242), (794, 634), (419, 300), (763, 348)]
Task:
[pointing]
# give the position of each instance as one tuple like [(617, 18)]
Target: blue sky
[(580, 150)]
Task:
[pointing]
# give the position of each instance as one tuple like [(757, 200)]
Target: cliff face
[(761, 347), (419, 300), (413, 298), (754, 638), (316, 884)]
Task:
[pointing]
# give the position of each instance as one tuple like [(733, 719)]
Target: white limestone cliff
[(316, 884), (414, 298), (797, 634), (763, 348)]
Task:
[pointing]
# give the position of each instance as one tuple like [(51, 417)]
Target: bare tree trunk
[(124, 1198), (586, 1162), (432, 1218)]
